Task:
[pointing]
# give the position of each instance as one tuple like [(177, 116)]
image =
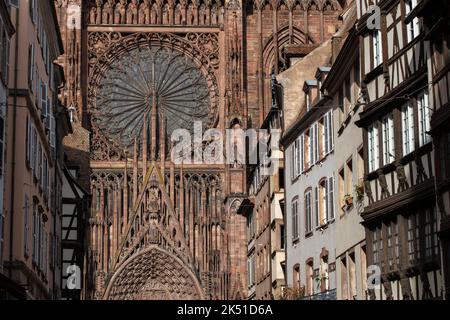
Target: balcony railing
[(328, 295)]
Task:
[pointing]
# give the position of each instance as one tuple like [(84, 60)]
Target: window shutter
[(325, 135), (30, 66), (327, 200), (330, 215), (302, 153), (316, 206), (26, 227), (44, 100), (316, 142), (33, 148), (52, 131), (49, 109), (34, 254), (330, 131), (27, 142), (311, 146), (295, 160)]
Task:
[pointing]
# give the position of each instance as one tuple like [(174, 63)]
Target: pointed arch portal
[(145, 276)]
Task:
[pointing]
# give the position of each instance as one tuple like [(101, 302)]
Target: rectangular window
[(295, 162), (322, 206), (344, 284), (342, 193), (319, 197), (302, 154), (327, 134), (397, 245), (4, 55), (424, 118), (52, 131), (388, 139), (390, 247), (308, 100), (431, 245), (374, 153), (295, 229), (377, 50), (349, 177), (33, 149), (35, 233), (39, 164), (307, 149), (33, 10), (308, 212), (316, 142), (26, 227), (37, 83), (311, 146), (30, 66), (28, 141), (45, 177), (298, 156), (376, 258), (330, 198), (413, 28), (413, 238), (408, 129), (43, 100)]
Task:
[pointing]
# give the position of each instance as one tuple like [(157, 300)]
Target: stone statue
[(421, 175), (383, 184), (401, 176)]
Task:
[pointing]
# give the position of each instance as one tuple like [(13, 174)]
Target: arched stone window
[(296, 277), (310, 277)]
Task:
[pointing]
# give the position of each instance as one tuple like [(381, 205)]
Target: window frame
[(388, 136), (408, 135), (373, 148)]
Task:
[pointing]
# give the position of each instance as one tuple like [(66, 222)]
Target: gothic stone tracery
[(158, 230)]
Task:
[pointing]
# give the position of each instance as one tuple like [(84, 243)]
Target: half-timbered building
[(401, 217), (436, 18)]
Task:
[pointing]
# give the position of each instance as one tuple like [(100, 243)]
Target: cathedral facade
[(136, 71)]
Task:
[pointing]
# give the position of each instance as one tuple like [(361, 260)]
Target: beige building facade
[(34, 159), (342, 86)]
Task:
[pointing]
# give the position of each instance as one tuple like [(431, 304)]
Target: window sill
[(325, 225), (375, 72), (309, 234), (424, 149)]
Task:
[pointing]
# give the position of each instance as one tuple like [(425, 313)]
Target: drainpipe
[(13, 164)]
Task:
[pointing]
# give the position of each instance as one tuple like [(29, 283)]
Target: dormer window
[(321, 75), (319, 87), (310, 95), (308, 100)]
